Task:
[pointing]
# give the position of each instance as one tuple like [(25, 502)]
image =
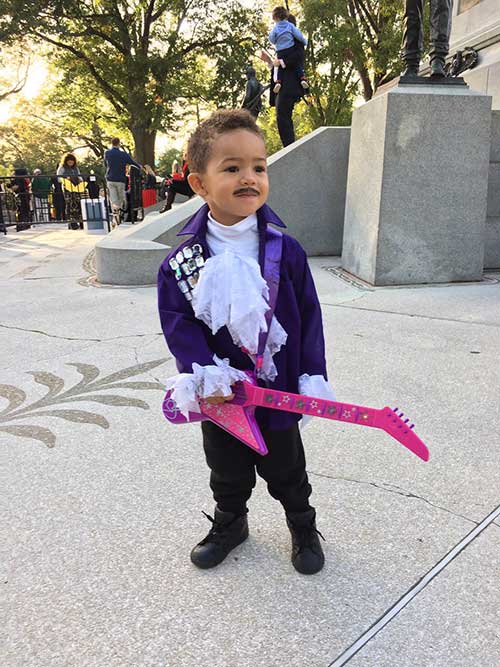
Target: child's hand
[(217, 400)]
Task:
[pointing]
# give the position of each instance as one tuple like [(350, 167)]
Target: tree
[(29, 142), (137, 53), (164, 165), (13, 80), (361, 36), (81, 112)]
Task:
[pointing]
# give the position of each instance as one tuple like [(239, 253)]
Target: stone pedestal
[(417, 186)]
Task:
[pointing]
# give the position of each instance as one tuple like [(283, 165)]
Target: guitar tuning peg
[(411, 426), (401, 414), (395, 409), (406, 421)]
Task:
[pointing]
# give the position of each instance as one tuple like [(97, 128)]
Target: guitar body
[(237, 416), (233, 416)]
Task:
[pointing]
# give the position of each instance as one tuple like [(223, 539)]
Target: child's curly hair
[(220, 122)]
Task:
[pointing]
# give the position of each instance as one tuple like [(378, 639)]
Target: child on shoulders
[(289, 42)]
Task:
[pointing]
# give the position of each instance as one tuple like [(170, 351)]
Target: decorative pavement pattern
[(86, 390)]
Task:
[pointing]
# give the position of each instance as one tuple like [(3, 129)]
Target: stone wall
[(308, 185), (478, 25), (417, 186), (492, 232)]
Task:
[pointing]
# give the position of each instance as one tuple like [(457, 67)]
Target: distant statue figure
[(440, 27), (253, 93)]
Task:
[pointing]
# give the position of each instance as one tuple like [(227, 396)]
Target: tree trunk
[(144, 144)]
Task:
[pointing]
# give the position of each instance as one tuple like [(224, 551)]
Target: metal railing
[(27, 200)]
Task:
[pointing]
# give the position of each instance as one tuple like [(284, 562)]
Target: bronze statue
[(440, 27)]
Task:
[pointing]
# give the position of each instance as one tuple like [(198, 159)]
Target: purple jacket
[(297, 310)]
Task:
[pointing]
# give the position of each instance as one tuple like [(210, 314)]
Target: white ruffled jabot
[(231, 292)]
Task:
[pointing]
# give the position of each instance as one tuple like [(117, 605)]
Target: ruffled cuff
[(204, 381), (317, 386)]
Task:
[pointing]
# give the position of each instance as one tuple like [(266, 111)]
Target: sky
[(37, 75)]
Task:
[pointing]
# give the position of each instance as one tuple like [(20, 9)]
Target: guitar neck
[(315, 407)]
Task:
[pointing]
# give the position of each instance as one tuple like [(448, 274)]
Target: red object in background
[(183, 174), (148, 198)]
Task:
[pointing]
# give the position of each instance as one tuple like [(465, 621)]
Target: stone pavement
[(102, 498)]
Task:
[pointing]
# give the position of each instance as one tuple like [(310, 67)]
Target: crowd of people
[(27, 199), (39, 197)]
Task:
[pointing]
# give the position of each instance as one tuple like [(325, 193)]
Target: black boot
[(228, 530), (170, 200), (437, 68), (412, 67), (307, 554)]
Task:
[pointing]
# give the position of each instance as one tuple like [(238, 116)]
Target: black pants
[(233, 466), (440, 17), (284, 111)]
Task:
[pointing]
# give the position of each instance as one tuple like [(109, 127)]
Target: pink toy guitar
[(238, 416)]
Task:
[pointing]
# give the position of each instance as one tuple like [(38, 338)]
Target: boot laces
[(216, 533), (305, 537)]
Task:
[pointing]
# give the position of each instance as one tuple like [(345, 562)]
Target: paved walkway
[(102, 497)]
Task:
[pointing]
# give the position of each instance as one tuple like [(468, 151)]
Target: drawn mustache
[(243, 191)]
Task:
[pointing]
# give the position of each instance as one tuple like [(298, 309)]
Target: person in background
[(20, 186), (59, 203), (68, 167), (73, 188), (41, 187), (149, 187), (285, 35), (116, 160), (93, 185), (178, 184)]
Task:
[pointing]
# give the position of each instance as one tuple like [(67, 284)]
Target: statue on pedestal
[(440, 28)]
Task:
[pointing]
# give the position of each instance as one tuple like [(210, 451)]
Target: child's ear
[(196, 183)]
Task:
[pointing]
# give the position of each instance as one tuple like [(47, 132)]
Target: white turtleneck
[(242, 238)]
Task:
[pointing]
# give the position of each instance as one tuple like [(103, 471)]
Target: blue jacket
[(283, 34), (297, 310), (116, 160)]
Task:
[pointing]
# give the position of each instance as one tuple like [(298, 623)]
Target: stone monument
[(418, 173)]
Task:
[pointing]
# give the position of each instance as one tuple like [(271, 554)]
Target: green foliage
[(77, 108), (349, 37), (267, 123), (6, 170), (29, 142), (14, 63), (141, 56), (131, 69), (164, 162)]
